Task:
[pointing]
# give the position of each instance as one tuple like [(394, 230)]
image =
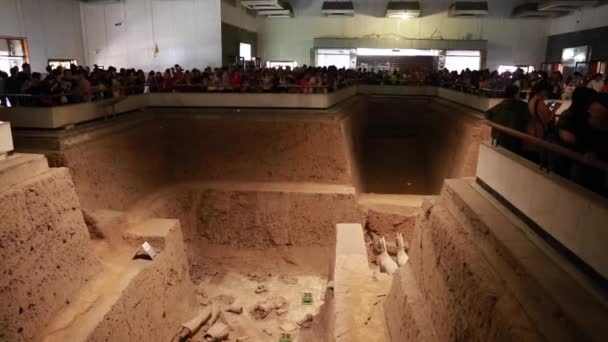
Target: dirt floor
[(226, 276), (407, 158)]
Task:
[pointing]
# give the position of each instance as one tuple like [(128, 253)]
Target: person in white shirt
[(597, 83)]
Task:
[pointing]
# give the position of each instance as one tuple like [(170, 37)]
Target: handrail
[(599, 164)]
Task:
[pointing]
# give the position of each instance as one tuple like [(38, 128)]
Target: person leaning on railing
[(584, 129), (513, 113), (542, 120)]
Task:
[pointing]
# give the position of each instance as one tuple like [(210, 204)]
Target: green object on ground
[(307, 298)]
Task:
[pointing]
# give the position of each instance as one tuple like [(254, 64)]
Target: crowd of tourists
[(82, 84), (582, 127), (78, 84), (486, 82)]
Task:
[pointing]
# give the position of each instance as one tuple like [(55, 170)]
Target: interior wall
[(238, 26), (232, 37), (52, 28), (125, 33), (583, 19), (235, 15), (594, 38), (510, 41)]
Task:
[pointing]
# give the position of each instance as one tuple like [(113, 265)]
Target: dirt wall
[(258, 150), (45, 251), (411, 144), (112, 170), (354, 121), (120, 160), (255, 217), (453, 144), (467, 301)]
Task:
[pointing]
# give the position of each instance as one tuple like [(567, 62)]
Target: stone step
[(132, 300), (45, 249), (405, 205), (559, 301), (106, 224), (157, 232), (357, 314), (81, 318), (21, 166)]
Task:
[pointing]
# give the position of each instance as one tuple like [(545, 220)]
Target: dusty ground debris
[(190, 328), (264, 308), (259, 277), (288, 326), (288, 279), (225, 299), (261, 289), (305, 319), (218, 332), (237, 309)]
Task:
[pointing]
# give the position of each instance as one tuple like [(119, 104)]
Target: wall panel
[(187, 33), (52, 28)]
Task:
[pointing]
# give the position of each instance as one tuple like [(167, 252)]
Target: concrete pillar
[(6, 139)]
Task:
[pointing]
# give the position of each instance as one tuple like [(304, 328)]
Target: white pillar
[(6, 139)]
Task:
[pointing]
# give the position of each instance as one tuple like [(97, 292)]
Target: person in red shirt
[(167, 81), (235, 81), (304, 84)]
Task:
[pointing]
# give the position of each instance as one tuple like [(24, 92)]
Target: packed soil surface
[(242, 277)]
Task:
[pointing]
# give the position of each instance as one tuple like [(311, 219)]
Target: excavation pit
[(291, 200)]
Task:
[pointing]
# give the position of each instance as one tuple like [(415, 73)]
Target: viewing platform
[(67, 115)]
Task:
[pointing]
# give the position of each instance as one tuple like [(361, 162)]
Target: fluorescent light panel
[(396, 52)]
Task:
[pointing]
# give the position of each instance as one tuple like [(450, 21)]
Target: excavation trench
[(236, 200)]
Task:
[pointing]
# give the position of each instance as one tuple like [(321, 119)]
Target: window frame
[(24, 44), (25, 58), (62, 60)]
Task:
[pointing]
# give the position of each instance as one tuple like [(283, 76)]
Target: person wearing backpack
[(512, 113), (583, 129)]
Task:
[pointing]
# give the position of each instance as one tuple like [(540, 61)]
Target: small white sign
[(145, 252)]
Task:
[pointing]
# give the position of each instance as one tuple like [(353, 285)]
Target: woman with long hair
[(542, 118)]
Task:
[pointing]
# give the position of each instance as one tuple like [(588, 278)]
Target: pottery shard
[(237, 309), (305, 319), (263, 308), (261, 289)]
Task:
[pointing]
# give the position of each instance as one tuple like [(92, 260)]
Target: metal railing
[(553, 156), (549, 146), (26, 99)]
